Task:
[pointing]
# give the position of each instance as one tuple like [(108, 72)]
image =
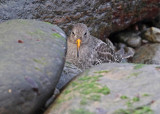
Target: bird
[(85, 50)]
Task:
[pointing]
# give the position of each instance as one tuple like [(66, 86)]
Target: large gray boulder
[(31, 61), (112, 88)]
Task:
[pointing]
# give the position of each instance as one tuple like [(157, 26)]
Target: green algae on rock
[(80, 111), (138, 110), (97, 91), (124, 97), (102, 71), (57, 35), (138, 66), (87, 87)]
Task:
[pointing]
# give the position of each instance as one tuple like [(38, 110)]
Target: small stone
[(147, 54), (130, 39), (121, 45), (152, 34), (144, 41), (134, 41)]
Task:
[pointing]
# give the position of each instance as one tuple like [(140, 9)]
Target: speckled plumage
[(92, 50)]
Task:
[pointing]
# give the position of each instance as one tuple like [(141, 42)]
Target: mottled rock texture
[(101, 16)]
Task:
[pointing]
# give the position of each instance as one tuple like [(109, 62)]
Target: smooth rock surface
[(112, 88), (129, 38), (101, 16), (32, 59), (147, 54), (69, 72), (152, 34)]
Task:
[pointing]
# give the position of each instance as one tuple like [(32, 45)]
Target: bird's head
[(79, 35)]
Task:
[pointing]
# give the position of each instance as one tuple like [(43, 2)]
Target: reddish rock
[(102, 17)]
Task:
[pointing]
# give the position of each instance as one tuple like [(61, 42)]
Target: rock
[(131, 39), (102, 17), (32, 59), (52, 98), (144, 41), (120, 45), (134, 42), (147, 54), (152, 34), (69, 72), (111, 88)]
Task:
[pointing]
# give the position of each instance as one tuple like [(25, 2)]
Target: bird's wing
[(105, 52)]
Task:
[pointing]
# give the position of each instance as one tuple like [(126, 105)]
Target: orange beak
[(78, 42)]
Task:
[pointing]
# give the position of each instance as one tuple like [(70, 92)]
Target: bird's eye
[(73, 33), (85, 33)]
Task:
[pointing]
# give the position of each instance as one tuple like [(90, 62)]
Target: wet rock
[(102, 17), (131, 39), (147, 54), (152, 34), (111, 88), (32, 59)]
